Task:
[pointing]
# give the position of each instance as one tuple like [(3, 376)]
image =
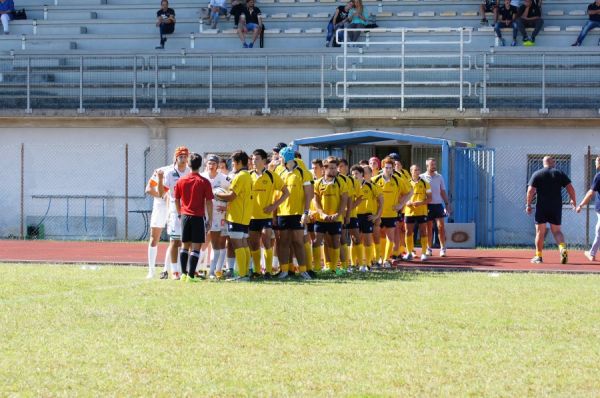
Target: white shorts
[(174, 226), (219, 224), (158, 219)]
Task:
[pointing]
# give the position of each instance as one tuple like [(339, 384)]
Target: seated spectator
[(593, 11), (237, 9), (337, 22), (250, 21), (530, 16), (358, 19), (217, 8), (7, 7), (165, 20), (507, 14), (488, 6)]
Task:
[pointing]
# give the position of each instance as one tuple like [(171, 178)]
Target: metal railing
[(401, 37)]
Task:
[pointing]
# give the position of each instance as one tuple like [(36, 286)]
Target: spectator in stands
[(358, 17), (530, 16), (237, 9), (217, 8), (507, 14), (488, 6), (7, 7), (337, 22), (165, 20), (593, 11), (250, 21)]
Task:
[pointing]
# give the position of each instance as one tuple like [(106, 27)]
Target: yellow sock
[(368, 250), (357, 254), (396, 252), (538, 253), (344, 256), (562, 246), (328, 257), (335, 257), (269, 260), (389, 247), (285, 267), (410, 243), (424, 243), (316, 258), (377, 251), (402, 249), (240, 259), (248, 257), (308, 260), (382, 246), (256, 259)]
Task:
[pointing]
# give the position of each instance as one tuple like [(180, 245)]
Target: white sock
[(221, 259), (213, 261), (152, 251), (167, 264), (275, 261), (202, 259), (231, 263)]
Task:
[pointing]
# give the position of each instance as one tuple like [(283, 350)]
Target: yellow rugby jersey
[(329, 194), (391, 191), (294, 180), (239, 210), (264, 190), (369, 193), (354, 192), (420, 190)]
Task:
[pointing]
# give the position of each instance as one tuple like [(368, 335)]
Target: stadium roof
[(366, 136)]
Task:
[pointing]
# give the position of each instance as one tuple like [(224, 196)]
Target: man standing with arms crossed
[(547, 183), (436, 210), (193, 200), (591, 255)]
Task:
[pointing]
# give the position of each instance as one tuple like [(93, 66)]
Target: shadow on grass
[(359, 277)]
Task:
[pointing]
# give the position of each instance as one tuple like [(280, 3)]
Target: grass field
[(68, 331)]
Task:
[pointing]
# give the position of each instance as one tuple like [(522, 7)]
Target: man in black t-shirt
[(507, 14), (547, 184), (165, 20), (250, 21), (488, 6), (593, 11), (530, 16), (337, 22)]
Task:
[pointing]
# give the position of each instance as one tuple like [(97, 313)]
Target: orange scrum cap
[(181, 151)]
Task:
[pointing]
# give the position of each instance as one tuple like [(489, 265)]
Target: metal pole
[(81, 108), (543, 109), (134, 108), (156, 109), (211, 108), (266, 109), (126, 191), (588, 172), (345, 104), (402, 108), (322, 109), (22, 190), (462, 50), (28, 110), (484, 88)]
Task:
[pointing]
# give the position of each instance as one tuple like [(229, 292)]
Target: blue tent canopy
[(371, 136)]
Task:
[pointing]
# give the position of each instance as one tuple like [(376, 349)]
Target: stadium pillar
[(157, 156)]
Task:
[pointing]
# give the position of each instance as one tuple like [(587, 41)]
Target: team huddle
[(271, 216)]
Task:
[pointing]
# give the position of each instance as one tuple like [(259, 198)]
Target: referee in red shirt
[(193, 200)]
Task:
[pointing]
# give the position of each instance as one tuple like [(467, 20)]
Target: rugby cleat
[(536, 260), (564, 256), (164, 275)]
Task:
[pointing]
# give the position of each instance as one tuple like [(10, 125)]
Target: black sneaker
[(256, 275), (312, 273), (164, 275), (267, 276)]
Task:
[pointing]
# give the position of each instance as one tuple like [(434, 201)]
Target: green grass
[(67, 331)]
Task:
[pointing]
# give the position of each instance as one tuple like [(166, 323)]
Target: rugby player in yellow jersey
[(351, 220), (239, 212), (344, 239), (317, 172), (400, 232), (368, 210), (268, 193), (330, 201), (292, 214), (416, 212), (396, 193)]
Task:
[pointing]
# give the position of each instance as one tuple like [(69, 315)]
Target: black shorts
[(353, 224), (364, 225), (400, 217), (192, 229), (435, 211), (310, 227), (489, 5), (289, 222), (331, 228), (415, 219), (552, 216), (388, 222), (258, 225)]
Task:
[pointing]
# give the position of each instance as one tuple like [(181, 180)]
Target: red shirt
[(192, 190)]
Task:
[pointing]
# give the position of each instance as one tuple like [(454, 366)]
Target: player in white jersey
[(217, 230), (158, 219)]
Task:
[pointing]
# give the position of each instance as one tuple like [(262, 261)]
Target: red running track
[(126, 253)]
